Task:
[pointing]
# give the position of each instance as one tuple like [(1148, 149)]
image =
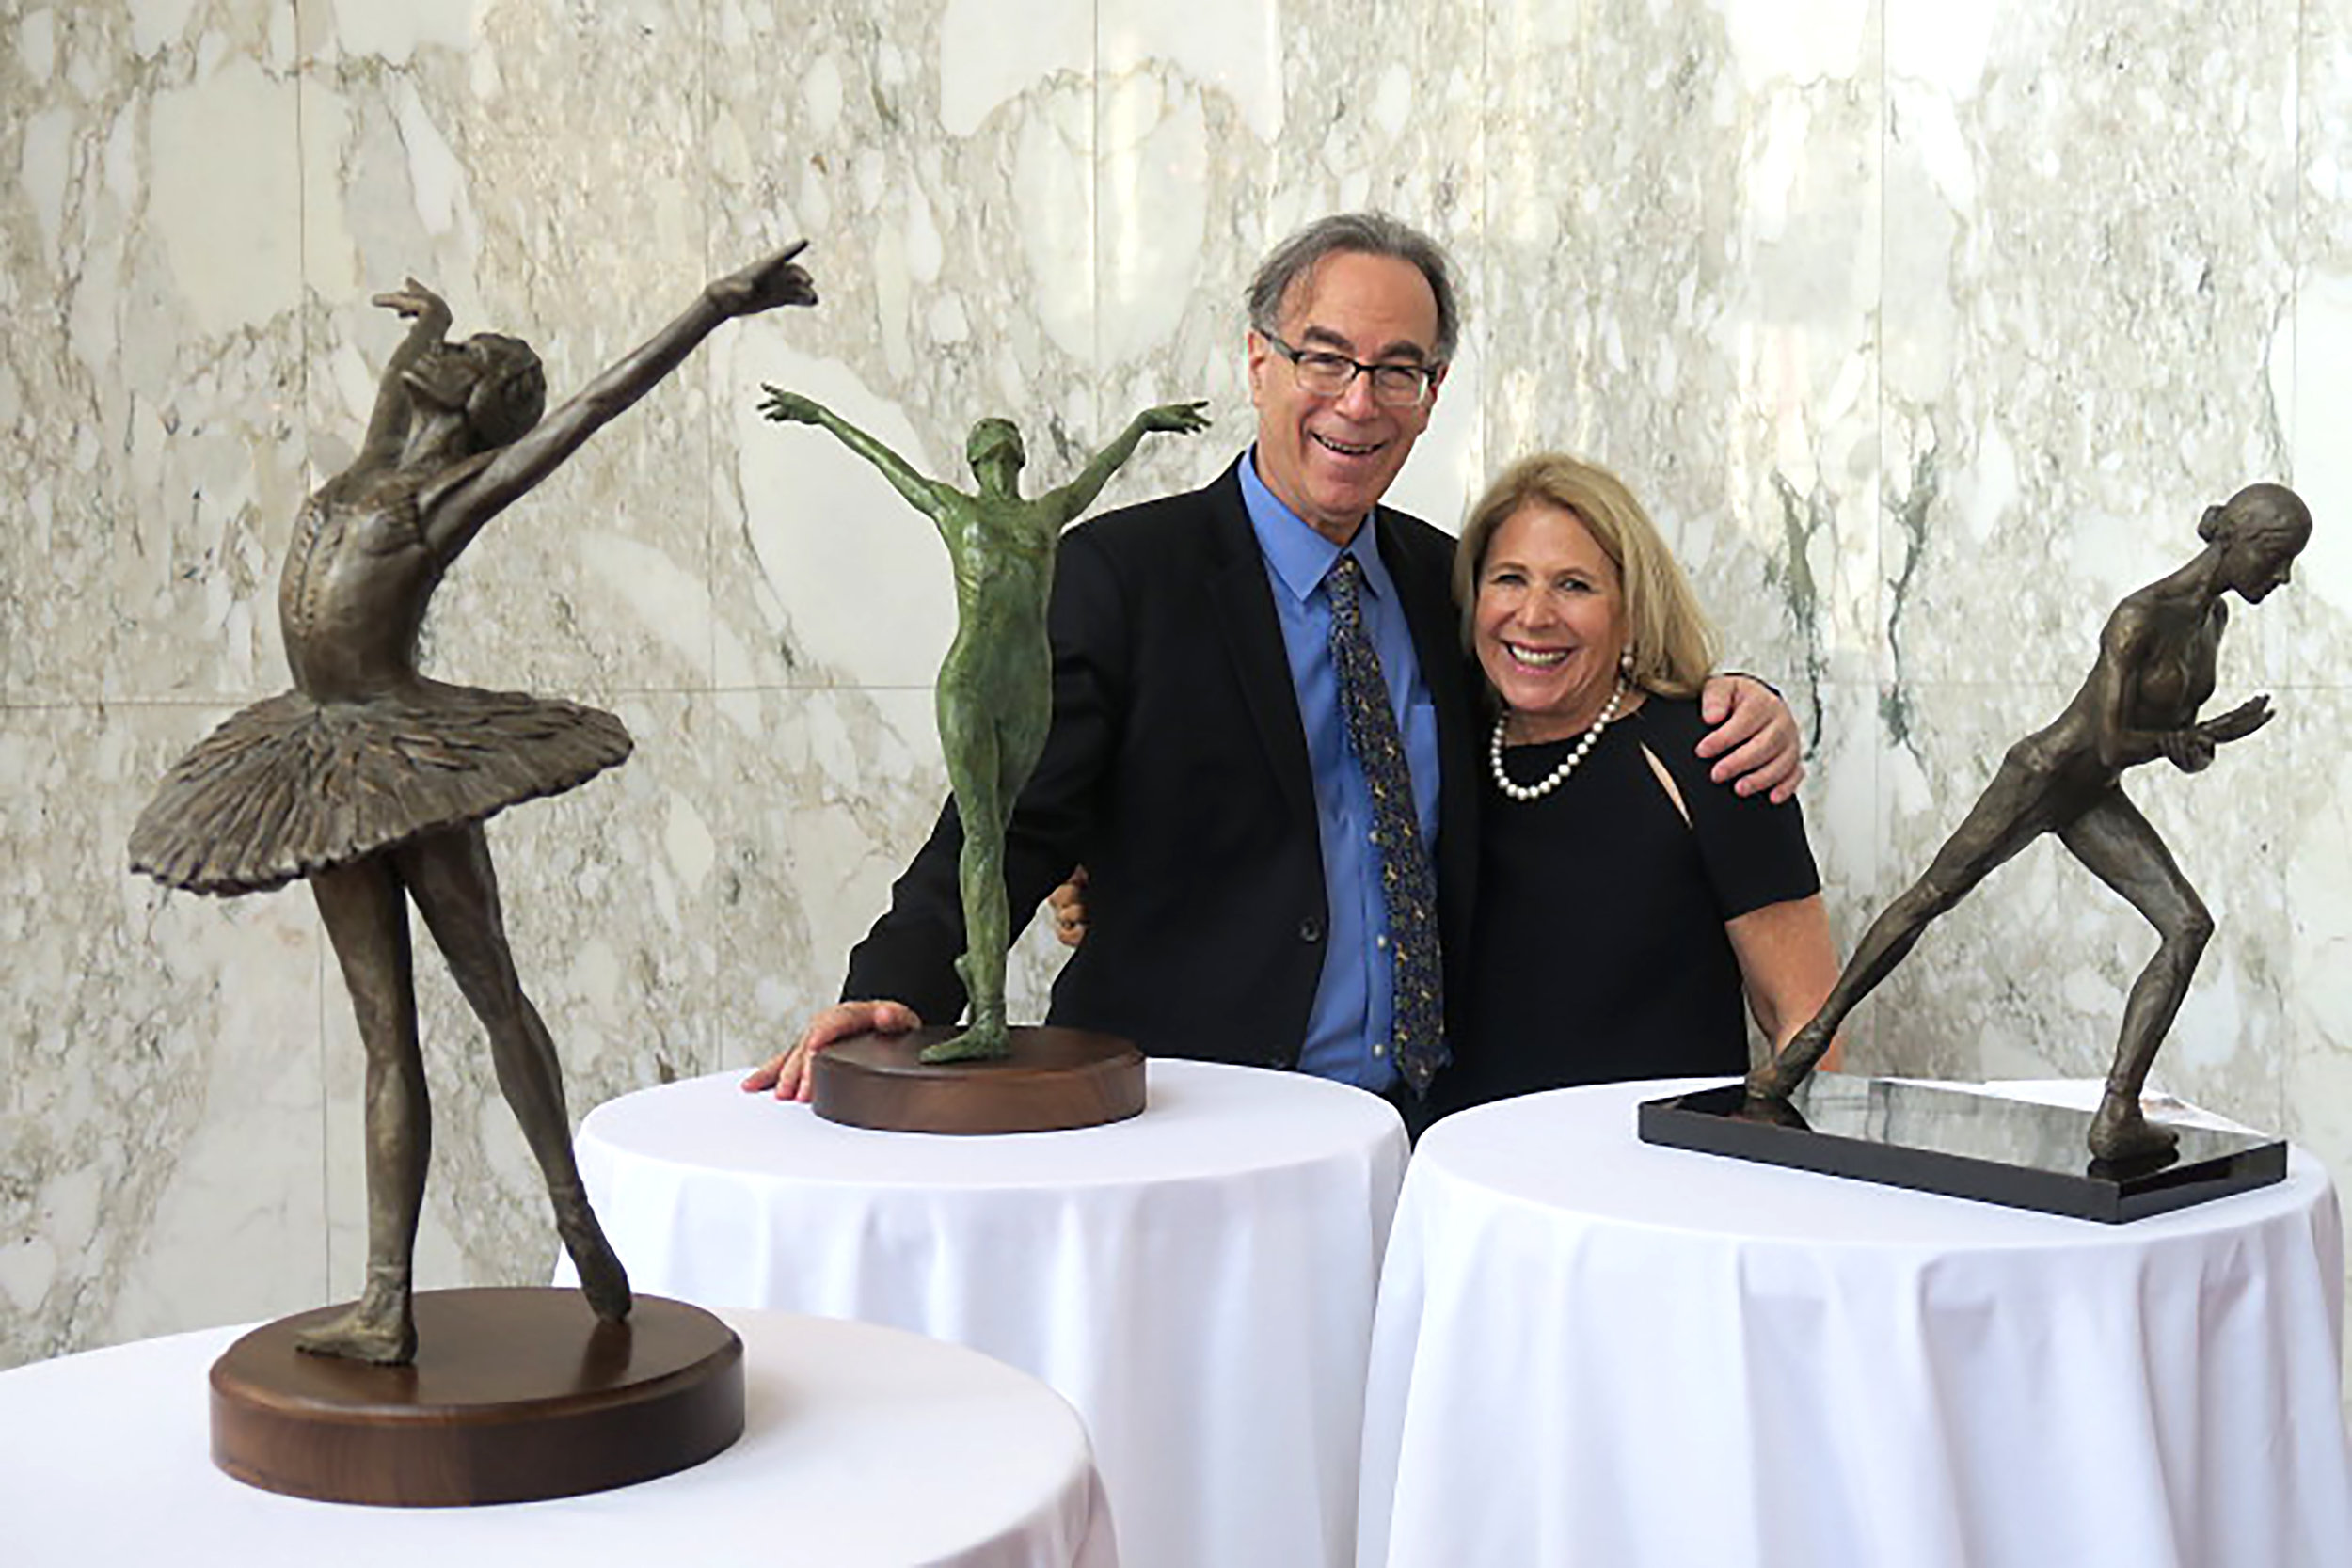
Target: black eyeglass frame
[(1425, 377)]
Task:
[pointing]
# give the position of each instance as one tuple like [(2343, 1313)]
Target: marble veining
[(1926, 329)]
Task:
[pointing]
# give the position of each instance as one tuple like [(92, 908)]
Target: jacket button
[(1311, 929)]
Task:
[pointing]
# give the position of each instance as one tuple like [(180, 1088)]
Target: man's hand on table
[(788, 1073)]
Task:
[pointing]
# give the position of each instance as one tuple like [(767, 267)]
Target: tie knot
[(1345, 579)]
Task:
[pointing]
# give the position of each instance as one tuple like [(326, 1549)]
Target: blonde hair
[(1673, 645)]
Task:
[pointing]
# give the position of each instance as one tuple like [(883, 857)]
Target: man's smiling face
[(1330, 459)]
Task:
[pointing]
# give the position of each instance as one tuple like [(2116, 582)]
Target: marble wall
[(1927, 328)]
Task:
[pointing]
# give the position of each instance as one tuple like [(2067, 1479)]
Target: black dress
[(1600, 953)]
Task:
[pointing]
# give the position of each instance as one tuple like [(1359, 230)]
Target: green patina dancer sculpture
[(995, 691)]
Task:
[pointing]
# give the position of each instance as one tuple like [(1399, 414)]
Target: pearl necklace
[(1567, 765)]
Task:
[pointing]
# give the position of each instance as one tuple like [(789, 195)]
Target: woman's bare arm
[(1787, 965)]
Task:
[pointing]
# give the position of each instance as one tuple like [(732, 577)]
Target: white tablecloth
[(1592, 1351), (862, 1445), (1197, 1280)]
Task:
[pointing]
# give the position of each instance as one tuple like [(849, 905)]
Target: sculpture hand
[(415, 302), (2239, 723), (788, 408), (1175, 419), (766, 284), (2189, 749)]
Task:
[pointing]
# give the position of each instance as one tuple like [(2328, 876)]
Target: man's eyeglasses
[(1328, 375)]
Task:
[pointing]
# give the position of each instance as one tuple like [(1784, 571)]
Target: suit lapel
[(1428, 604), (1245, 608), (1428, 607)]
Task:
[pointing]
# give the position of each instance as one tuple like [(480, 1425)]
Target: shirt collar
[(1300, 557)]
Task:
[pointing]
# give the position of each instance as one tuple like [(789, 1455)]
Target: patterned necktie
[(1408, 884)]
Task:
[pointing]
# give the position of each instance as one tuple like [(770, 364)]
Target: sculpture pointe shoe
[(378, 1328), (1783, 1074), (2121, 1133), (1774, 1079), (602, 1279)]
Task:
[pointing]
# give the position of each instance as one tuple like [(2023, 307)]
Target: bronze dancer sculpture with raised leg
[(373, 781), (2156, 666)]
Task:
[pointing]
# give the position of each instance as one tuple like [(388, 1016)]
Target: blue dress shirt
[(1347, 1031)]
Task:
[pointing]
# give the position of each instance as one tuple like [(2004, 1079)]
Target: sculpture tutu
[(371, 783)]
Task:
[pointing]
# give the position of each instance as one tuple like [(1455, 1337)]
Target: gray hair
[(1355, 233)]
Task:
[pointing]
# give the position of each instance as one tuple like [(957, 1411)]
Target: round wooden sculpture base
[(1055, 1079), (517, 1394)]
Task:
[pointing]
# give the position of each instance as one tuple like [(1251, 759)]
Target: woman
[(1626, 904), (2155, 668), (373, 781)]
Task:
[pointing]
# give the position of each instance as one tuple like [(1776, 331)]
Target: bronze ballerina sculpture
[(373, 781), (996, 692), (2156, 666)]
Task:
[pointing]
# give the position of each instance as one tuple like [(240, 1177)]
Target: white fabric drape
[(1592, 1351), (1197, 1280), (862, 1448)]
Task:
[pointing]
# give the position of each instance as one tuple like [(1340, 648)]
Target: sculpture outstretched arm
[(457, 515), (792, 408), (428, 317), (1179, 419)]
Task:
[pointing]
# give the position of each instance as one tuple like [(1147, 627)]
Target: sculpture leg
[(970, 740), (2010, 815), (2122, 850), (367, 921), (456, 886)]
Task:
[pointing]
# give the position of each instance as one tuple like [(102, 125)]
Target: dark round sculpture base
[(1055, 1079), (515, 1394)]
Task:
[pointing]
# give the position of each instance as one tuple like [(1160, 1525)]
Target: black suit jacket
[(1176, 772)]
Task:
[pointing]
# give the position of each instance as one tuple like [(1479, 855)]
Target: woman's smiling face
[(1549, 625)]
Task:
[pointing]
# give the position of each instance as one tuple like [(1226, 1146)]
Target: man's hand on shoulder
[(1751, 736), (788, 1073)]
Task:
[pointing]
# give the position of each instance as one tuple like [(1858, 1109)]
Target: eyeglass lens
[(1328, 375)]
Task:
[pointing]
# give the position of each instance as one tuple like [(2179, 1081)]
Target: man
[(1202, 765)]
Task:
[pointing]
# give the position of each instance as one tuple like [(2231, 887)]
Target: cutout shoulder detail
[(1666, 783)]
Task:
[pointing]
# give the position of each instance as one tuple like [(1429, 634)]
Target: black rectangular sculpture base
[(1961, 1142)]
